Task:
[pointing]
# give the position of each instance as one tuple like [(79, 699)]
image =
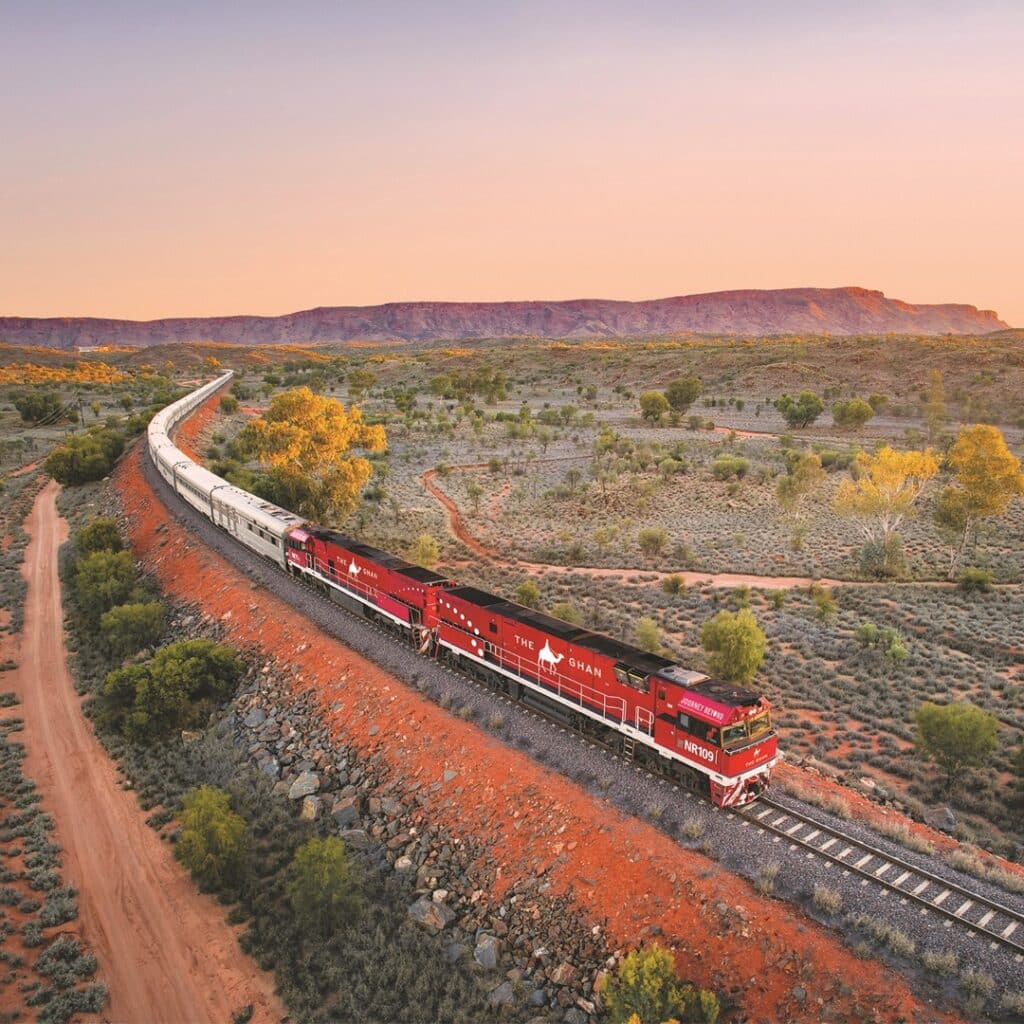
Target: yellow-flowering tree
[(988, 478), (888, 485), (305, 440)]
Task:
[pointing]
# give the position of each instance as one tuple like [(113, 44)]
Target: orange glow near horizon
[(209, 166)]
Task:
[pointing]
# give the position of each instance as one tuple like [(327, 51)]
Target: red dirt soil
[(165, 951), (618, 869)]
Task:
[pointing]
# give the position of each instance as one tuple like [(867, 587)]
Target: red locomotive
[(710, 736)]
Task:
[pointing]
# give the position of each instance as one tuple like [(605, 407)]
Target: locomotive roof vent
[(683, 676)]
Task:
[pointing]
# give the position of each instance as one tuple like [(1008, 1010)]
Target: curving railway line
[(959, 905)]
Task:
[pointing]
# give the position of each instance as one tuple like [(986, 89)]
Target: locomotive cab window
[(760, 724), (621, 676), (734, 735)]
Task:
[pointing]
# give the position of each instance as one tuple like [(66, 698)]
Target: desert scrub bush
[(765, 880), (728, 467), (944, 963), (974, 579), (892, 938), (903, 835), (976, 983), (674, 584), (968, 859), (1012, 1003), (829, 901)]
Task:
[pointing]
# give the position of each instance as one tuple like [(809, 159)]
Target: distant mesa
[(750, 312)]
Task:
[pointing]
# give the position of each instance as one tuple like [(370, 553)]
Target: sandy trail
[(165, 952)]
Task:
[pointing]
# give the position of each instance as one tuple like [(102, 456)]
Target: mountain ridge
[(757, 312)]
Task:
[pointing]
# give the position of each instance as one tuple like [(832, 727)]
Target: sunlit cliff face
[(204, 162)]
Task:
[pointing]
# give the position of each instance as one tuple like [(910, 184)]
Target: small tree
[(853, 413), (988, 478), (646, 988), (683, 392), (528, 594), (228, 404), (801, 411), (101, 534), (956, 737), (324, 889), (648, 634), (214, 841), (567, 612), (653, 406), (652, 540), (735, 645), (425, 551), (129, 628), (888, 485)]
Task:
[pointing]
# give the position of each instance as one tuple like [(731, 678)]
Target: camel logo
[(548, 657), (353, 569)]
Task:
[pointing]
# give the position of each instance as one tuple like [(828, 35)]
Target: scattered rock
[(488, 949), (574, 1015), (504, 995), (435, 917), (941, 818), (255, 717), (305, 785), (563, 974), (345, 812), (404, 864), (310, 808)]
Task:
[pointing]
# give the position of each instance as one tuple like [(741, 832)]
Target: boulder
[(488, 949), (941, 818), (305, 785), (435, 917), (345, 811), (503, 995), (574, 1015), (310, 808), (255, 718), (404, 864)]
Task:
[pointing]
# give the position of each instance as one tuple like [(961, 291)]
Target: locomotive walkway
[(165, 952)]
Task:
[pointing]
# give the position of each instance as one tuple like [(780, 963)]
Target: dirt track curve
[(165, 952)]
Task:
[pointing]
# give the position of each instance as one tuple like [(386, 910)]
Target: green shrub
[(726, 467), (129, 628), (214, 841), (323, 889), (85, 457), (102, 580), (647, 985), (972, 579), (101, 534), (175, 689)]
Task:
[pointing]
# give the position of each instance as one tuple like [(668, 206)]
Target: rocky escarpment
[(841, 311)]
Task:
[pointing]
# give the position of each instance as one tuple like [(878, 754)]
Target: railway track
[(999, 924)]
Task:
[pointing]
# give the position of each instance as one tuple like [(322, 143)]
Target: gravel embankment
[(735, 845)]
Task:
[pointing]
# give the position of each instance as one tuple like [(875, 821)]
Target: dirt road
[(165, 952)]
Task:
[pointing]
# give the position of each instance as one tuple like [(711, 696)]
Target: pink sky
[(199, 161)]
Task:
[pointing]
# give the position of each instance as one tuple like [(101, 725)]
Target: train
[(710, 736)]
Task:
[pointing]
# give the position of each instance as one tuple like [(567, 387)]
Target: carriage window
[(684, 721)]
